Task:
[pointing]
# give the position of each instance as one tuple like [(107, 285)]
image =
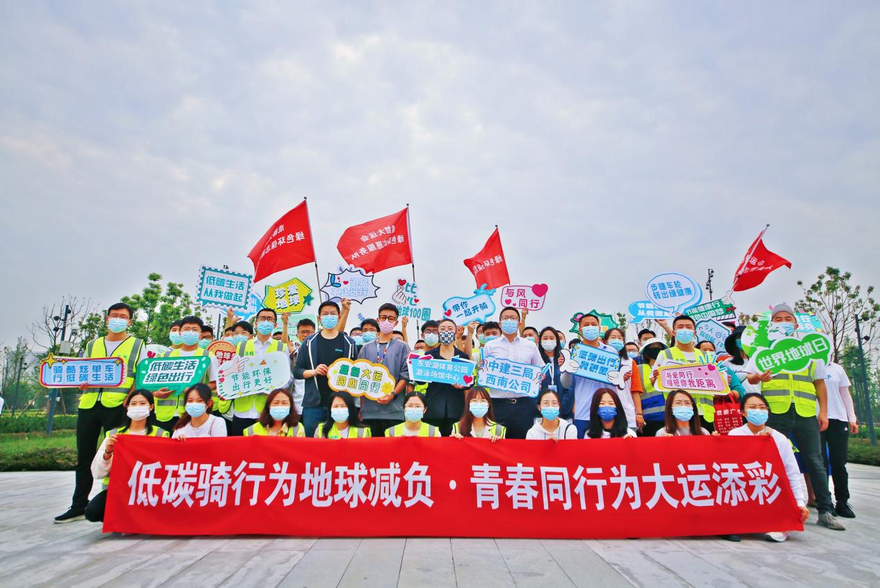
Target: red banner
[(287, 244), (757, 265), (378, 244), (613, 488), (489, 266)]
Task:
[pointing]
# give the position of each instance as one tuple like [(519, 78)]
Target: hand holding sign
[(478, 307)]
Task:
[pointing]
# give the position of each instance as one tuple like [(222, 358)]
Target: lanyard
[(380, 358)]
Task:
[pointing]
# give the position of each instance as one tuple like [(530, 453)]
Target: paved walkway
[(36, 552)]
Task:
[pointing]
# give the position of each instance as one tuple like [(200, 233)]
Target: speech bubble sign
[(71, 372), (222, 350), (174, 373), (249, 375), (702, 378), (360, 378), (425, 368), (643, 310), (595, 363), (504, 375), (478, 307), (254, 304), (289, 297), (221, 288), (524, 297), (714, 332), (720, 310), (406, 297), (792, 354), (673, 291), (349, 282), (606, 321)]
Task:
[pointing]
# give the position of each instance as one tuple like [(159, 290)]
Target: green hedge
[(36, 423), (37, 452), (860, 451)]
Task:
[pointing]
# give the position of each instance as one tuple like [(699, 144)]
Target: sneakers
[(844, 510), (828, 520), (74, 514), (777, 536)]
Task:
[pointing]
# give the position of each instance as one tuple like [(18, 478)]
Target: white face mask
[(138, 413), (548, 345)]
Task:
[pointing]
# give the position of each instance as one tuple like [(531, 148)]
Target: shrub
[(36, 423)]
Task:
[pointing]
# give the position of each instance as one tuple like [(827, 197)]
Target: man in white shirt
[(841, 423), (514, 411)]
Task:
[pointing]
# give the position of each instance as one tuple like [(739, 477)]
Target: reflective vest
[(350, 432), (653, 400), (705, 402), (156, 432), (256, 401), (258, 429), (129, 351), (784, 386), (168, 408), (495, 430), (220, 406), (425, 430)]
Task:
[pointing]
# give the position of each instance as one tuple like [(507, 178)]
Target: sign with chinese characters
[(174, 373), (424, 368), (792, 354), (644, 310), (720, 310), (222, 350), (360, 378), (155, 350), (504, 375), (524, 297), (72, 372), (254, 304), (478, 307), (406, 297), (289, 297), (595, 363), (668, 294), (694, 377), (653, 487), (606, 321), (222, 289), (349, 282), (244, 376), (714, 332)]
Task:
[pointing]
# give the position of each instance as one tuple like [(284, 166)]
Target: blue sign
[(595, 363), (255, 303), (424, 368), (673, 291), (478, 307), (504, 375), (222, 289), (642, 310)]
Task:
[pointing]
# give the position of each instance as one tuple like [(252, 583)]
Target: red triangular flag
[(378, 244), (489, 266), (756, 265), (287, 244)]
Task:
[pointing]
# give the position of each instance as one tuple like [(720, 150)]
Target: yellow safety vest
[(653, 400), (260, 430), (784, 386), (257, 401), (167, 408), (495, 429), (129, 351), (350, 432), (156, 432), (425, 430), (705, 402)]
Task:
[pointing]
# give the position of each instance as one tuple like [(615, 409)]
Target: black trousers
[(836, 438), (444, 424), (517, 414), (378, 426), (238, 425), (805, 432), (95, 508), (651, 427), (89, 424)]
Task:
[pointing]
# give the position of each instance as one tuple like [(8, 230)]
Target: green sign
[(174, 373), (714, 309), (606, 321), (793, 355)]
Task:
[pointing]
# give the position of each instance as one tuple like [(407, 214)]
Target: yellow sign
[(289, 297)]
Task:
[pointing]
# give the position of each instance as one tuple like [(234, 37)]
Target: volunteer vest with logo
[(156, 432), (653, 400), (425, 430), (705, 402), (256, 401), (174, 405), (495, 430), (799, 386), (259, 430), (350, 432), (129, 351)]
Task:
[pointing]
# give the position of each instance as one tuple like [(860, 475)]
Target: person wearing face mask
[(388, 411), (484, 333), (755, 409), (242, 332), (357, 334), (305, 328), (420, 346), (206, 337), (139, 420), (584, 388), (229, 335), (431, 334), (174, 335), (631, 395), (550, 425), (530, 334), (413, 410), (478, 421), (247, 409), (445, 402), (344, 421), (653, 400), (632, 352), (514, 411), (607, 420), (798, 406), (737, 363), (312, 361), (102, 408), (550, 350), (279, 417), (198, 421), (681, 418)]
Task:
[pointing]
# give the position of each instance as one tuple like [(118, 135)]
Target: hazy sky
[(610, 141)]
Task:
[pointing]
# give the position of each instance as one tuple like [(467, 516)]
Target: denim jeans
[(312, 416)]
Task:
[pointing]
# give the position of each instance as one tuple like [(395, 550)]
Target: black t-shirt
[(442, 400), (329, 350)]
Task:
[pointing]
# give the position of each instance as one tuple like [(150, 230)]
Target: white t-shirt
[(795, 478), (213, 427), (212, 369), (836, 381), (565, 430), (741, 371)]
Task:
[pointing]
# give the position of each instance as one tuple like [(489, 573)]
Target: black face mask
[(652, 352)]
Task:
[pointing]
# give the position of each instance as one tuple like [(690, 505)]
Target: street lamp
[(64, 347)]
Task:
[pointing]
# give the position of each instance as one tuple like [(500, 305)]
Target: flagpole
[(412, 264), (317, 273), (749, 254)]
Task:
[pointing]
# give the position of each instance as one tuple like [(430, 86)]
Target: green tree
[(621, 321), (154, 311)]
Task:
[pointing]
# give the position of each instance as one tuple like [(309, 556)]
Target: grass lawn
[(37, 452)]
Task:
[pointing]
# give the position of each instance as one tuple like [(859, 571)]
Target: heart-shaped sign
[(401, 282), (448, 312), (539, 289), (467, 379)]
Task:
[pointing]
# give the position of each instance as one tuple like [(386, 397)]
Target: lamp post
[(64, 347)]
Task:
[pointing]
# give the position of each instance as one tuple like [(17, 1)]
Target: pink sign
[(701, 377), (525, 297)]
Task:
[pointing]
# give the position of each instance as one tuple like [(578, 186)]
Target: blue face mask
[(204, 343), (550, 413), (757, 416), (230, 339), (632, 354), (482, 339), (684, 336), (265, 327), (432, 339), (413, 414), (358, 340), (683, 413), (607, 413), (509, 326), (195, 409), (490, 338), (591, 333), (369, 336), (117, 325), (189, 338), (478, 409), (279, 413), (616, 343), (787, 328), (175, 338), (329, 321), (339, 415)]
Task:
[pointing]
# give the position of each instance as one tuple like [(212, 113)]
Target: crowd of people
[(809, 414)]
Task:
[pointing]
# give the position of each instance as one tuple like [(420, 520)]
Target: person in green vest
[(653, 400), (102, 408), (414, 408), (799, 410), (139, 420), (279, 417), (344, 422)]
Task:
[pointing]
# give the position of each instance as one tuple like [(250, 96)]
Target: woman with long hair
[(344, 421), (478, 420), (198, 421), (607, 420), (278, 417), (681, 419)]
